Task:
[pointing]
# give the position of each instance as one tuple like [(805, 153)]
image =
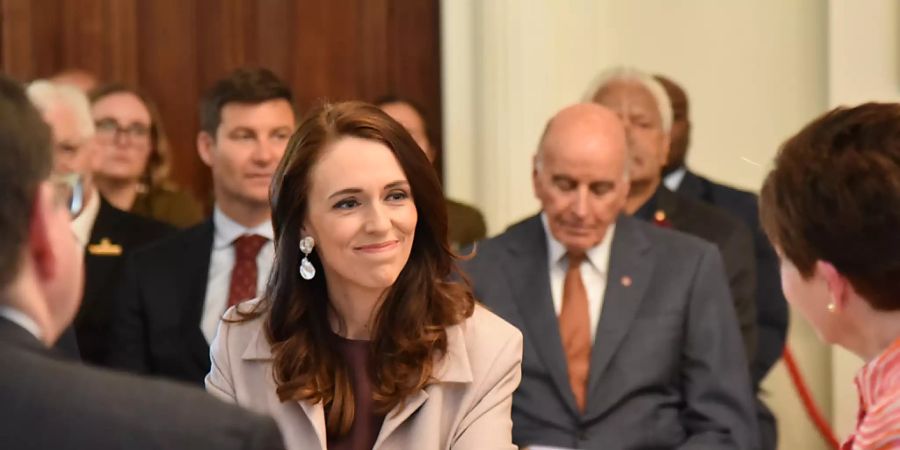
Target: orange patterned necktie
[(575, 329), (245, 273)]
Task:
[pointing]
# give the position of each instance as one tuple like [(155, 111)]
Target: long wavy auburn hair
[(409, 333)]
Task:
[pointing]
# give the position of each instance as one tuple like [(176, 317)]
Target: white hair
[(46, 95), (634, 75)]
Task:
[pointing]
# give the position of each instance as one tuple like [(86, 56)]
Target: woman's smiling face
[(361, 214)]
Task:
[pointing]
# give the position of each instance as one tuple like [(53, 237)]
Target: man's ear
[(666, 147), (535, 175), (40, 244), (96, 156), (205, 147)]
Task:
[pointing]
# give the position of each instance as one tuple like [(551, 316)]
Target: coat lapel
[(529, 277), (627, 280), (454, 367), (671, 204), (694, 187)]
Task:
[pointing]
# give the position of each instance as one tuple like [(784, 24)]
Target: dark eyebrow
[(242, 129), (397, 184), (347, 191)]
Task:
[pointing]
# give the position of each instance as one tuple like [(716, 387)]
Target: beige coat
[(468, 408)]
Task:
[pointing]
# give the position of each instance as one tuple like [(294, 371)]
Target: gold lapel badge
[(626, 281), (105, 248)]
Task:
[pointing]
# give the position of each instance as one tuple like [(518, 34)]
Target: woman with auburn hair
[(831, 207), (134, 158), (364, 339)]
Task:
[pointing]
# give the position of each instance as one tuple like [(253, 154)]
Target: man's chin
[(578, 243)]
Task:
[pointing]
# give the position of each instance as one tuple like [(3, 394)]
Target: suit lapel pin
[(660, 219), (626, 281), (105, 248)]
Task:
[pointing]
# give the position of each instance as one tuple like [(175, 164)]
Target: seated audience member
[(174, 292), (106, 233), (831, 207), (631, 340), (466, 224), (771, 309), (48, 402), (134, 158), (644, 109), (379, 349)]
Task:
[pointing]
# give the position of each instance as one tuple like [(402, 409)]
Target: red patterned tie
[(245, 273)]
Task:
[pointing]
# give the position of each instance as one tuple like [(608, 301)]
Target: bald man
[(622, 348)]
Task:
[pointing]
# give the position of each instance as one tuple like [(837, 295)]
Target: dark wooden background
[(175, 49)]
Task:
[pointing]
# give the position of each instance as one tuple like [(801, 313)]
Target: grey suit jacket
[(49, 402), (667, 369)]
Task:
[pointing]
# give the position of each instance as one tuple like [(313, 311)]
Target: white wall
[(755, 72)]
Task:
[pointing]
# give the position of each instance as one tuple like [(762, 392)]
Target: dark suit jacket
[(667, 370), (771, 307), (102, 273), (735, 243), (50, 403), (157, 327)]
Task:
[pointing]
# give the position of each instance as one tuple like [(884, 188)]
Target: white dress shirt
[(673, 179), (594, 270), (84, 223), (221, 262), (21, 319)]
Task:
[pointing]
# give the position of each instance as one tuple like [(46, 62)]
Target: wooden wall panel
[(175, 49), (167, 61)]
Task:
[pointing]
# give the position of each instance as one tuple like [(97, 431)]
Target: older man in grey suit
[(631, 339)]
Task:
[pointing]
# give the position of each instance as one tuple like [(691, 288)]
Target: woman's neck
[(878, 332), (119, 193), (352, 312)]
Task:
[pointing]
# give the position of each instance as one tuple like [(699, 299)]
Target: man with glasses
[(49, 402), (175, 291), (104, 232)]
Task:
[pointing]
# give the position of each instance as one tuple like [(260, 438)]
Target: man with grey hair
[(623, 349), (642, 104), (105, 233)]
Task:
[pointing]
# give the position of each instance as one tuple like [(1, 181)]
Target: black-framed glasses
[(108, 129), (69, 190)]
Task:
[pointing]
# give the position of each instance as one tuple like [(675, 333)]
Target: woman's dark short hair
[(409, 331), (834, 195), (244, 85)]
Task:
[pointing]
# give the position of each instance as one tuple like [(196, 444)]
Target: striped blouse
[(878, 423)]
